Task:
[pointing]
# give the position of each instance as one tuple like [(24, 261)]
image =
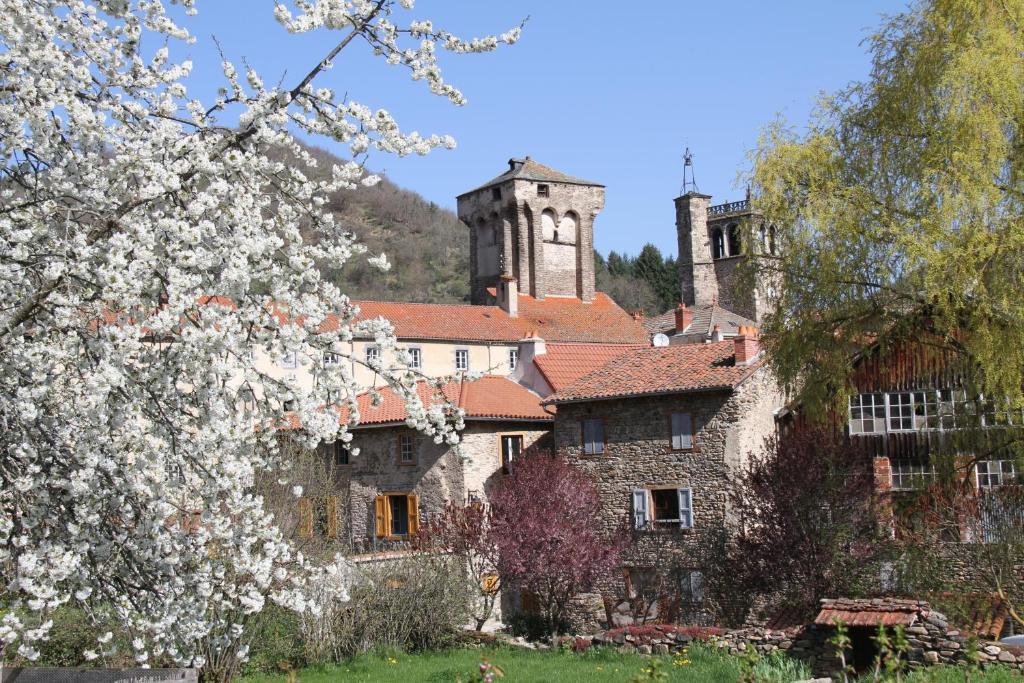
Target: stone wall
[(638, 455)]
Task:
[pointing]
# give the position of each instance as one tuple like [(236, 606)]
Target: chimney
[(516, 164), (637, 315), (529, 348), (716, 333), (684, 318), (747, 346), (508, 295)]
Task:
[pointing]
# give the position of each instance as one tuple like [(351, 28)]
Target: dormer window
[(496, 194), (542, 190)]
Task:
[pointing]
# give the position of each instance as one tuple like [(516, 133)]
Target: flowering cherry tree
[(150, 247)]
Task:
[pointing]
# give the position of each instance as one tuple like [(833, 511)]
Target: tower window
[(496, 194), (717, 244), (542, 190), (771, 240), (734, 240)]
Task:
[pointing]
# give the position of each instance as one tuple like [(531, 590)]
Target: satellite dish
[(660, 340)]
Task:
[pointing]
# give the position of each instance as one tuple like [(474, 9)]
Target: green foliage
[(840, 640), (902, 207), (276, 642), (533, 626), (649, 282)]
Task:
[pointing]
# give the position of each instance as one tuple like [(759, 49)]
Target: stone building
[(534, 226), (711, 248), (661, 431)]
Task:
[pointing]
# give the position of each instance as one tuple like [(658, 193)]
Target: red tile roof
[(664, 370), (559, 319), (491, 396), (563, 364)]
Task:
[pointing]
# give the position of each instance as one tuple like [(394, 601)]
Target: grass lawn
[(519, 665)]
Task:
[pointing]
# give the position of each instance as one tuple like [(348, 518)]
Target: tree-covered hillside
[(428, 248)]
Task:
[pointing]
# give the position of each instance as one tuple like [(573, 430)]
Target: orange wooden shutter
[(489, 584), (380, 504), (414, 514), (305, 518), (332, 516)]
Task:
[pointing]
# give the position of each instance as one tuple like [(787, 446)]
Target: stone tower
[(710, 252), (532, 226)]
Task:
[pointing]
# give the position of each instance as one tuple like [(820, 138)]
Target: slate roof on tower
[(528, 169)]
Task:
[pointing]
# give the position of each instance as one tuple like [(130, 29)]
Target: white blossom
[(128, 466)]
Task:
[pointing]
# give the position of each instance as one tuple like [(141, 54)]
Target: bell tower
[(534, 225)]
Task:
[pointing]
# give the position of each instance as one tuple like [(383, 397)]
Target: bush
[(73, 633), (276, 640), (418, 603), (533, 626)]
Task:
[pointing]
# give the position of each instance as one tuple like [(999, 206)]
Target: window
[(339, 451), (331, 358), (372, 355), (406, 450), (542, 190), (397, 514), (593, 436), (717, 243), (496, 194), (901, 412), (462, 360), (909, 477), (289, 360), (867, 414), (661, 508), (734, 240), (682, 431), (513, 358), (691, 587), (415, 357), (992, 473), (771, 240), (511, 448)]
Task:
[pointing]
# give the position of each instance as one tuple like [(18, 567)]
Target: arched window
[(734, 240), (567, 228), (547, 225), (771, 240), (717, 243), (764, 240)]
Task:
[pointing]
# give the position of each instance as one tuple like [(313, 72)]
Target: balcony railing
[(729, 207)]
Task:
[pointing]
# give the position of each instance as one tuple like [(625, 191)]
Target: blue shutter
[(640, 508), (682, 431), (685, 509)]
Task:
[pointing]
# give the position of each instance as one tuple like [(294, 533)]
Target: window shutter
[(697, 587), (332, 516), (639, 508), (685, 509), (682, 431), (414, 514), (380, 505), (305, 518)]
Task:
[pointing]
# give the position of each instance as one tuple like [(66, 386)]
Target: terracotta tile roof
[(872, 612), (558, 319), (665, 370), (528, 169), (491, 396), (563, 364), (704, 321)]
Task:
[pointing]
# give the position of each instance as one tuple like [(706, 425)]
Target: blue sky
[(608, 91)]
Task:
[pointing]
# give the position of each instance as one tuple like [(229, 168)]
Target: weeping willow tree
[(900, 207)]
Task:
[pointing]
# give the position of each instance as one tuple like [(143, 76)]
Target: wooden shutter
[(685, 509), (413, 503), (305, 518), (682, 432), (640, 511), (382, 513), (332, 516)]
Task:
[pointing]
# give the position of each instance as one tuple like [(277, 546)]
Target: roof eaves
[(640, 394)]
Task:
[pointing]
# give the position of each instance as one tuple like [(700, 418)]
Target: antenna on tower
[(689, 183)]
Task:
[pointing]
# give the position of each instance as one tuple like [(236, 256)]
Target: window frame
[(683, 523), (417, 353), (403, 440), (604, 435), (371, 350), (513, 359), (456, 359), (495, 194), (332, 358), (1004, 478), (383, 521), (543, 190), (290, 360), (501, 448), (694, 447)]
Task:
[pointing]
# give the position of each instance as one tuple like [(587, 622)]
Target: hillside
[(428, 248)]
